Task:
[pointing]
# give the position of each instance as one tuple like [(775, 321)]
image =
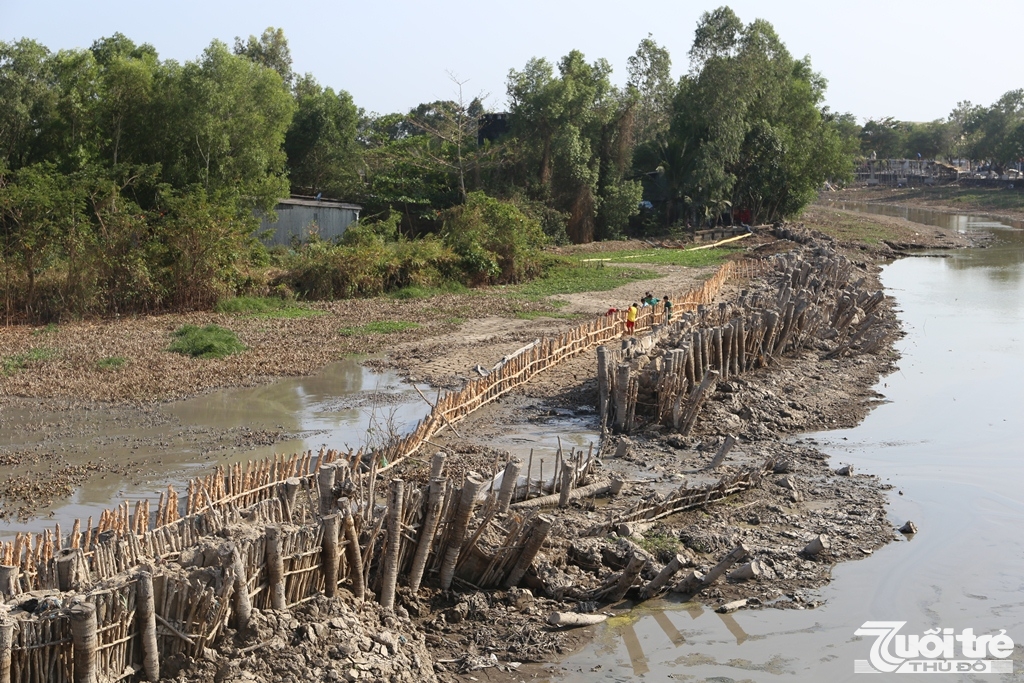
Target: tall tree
[(270, 50), (323, 153)]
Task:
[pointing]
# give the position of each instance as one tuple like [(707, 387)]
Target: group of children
[(633, 312)]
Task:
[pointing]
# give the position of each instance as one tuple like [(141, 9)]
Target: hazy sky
[(911, 59)]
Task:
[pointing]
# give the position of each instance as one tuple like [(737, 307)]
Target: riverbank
[(802, 393), (997, 202)]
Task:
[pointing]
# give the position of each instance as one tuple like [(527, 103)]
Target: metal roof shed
[(301, 217)]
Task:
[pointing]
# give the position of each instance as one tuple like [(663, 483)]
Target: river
[(948, 439)]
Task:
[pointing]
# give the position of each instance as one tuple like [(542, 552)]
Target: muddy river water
[(345, 405), (950, 440)]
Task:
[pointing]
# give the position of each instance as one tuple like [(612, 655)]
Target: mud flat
[(791, 512)]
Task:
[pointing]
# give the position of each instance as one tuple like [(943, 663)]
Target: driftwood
[(817, 545), (664, 576), (596, 489), (573, 619)]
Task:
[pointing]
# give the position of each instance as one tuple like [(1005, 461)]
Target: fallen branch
[(595, 489)]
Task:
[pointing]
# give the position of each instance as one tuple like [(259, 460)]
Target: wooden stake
[(428, 529), (145, 619), (395, 514), (275, 568), (84, 642), (329, 547)]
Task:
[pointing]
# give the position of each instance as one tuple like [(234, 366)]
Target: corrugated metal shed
[(299, 217)]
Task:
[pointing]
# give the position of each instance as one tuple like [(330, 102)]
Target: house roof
[(318, 203)]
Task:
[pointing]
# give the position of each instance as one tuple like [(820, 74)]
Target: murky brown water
[(344, 405), (950, 439)]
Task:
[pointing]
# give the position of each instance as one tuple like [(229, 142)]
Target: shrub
[(496, 242), (211, 341)]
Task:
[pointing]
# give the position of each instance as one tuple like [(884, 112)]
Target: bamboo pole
[(460, 526), (355, 558), (275, 568), (535, 539), (395, 514), (84, 642), (435, 501), (145, 618), (329, 562)]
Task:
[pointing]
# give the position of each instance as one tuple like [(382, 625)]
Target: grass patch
[(44, 331), (264, 307), (567, 277), (847, 226), (420, 292), (211, 341), (111, 363), (661, 545), (666, 257), (19, 361), (380, 327)]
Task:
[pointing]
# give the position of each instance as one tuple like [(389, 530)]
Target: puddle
[(345, 405), (949, 440)]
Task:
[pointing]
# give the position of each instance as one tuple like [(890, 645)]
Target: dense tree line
[(989, 134), (130, 183)]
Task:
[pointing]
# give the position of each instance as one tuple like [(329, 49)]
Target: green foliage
[(496, 242), (19, 361), (418, 292), (323, 154), (110, 363), (373, 266), (211, 341), (379, 327), (264, 307), (663, 546), (569, 276), (748, 130)]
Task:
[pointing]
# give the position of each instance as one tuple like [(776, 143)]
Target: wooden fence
[(109, 599)]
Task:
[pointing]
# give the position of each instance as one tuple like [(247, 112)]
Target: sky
[(911, 59)]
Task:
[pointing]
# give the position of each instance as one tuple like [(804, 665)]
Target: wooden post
[(243, 603), (83, 642), (145, 619), (291, 492), (435, 501), (696, 400), (463, 515), (723, 451), (603, 371), (563, 494), (437, 465), (535, 539), (275, 568), (621, 393), (9, 579), (355, 558), (394, 549), (508, 484), (6, 645), (636, 564), (325, 481), (329, 558), (738, 553), (66, 565), (664, 576)]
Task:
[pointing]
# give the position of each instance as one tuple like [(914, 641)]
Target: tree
[(574, 137), (748, 129), (270, 50), (323, 153), (650, 82)]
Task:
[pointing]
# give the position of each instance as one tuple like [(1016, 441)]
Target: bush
[(320, 270), (211, 341), (496, 242)]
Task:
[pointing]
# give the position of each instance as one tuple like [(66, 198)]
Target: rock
[(909, 528), (845, 471), (731, 606), (786, 483), (817, 545), (782, 467)]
